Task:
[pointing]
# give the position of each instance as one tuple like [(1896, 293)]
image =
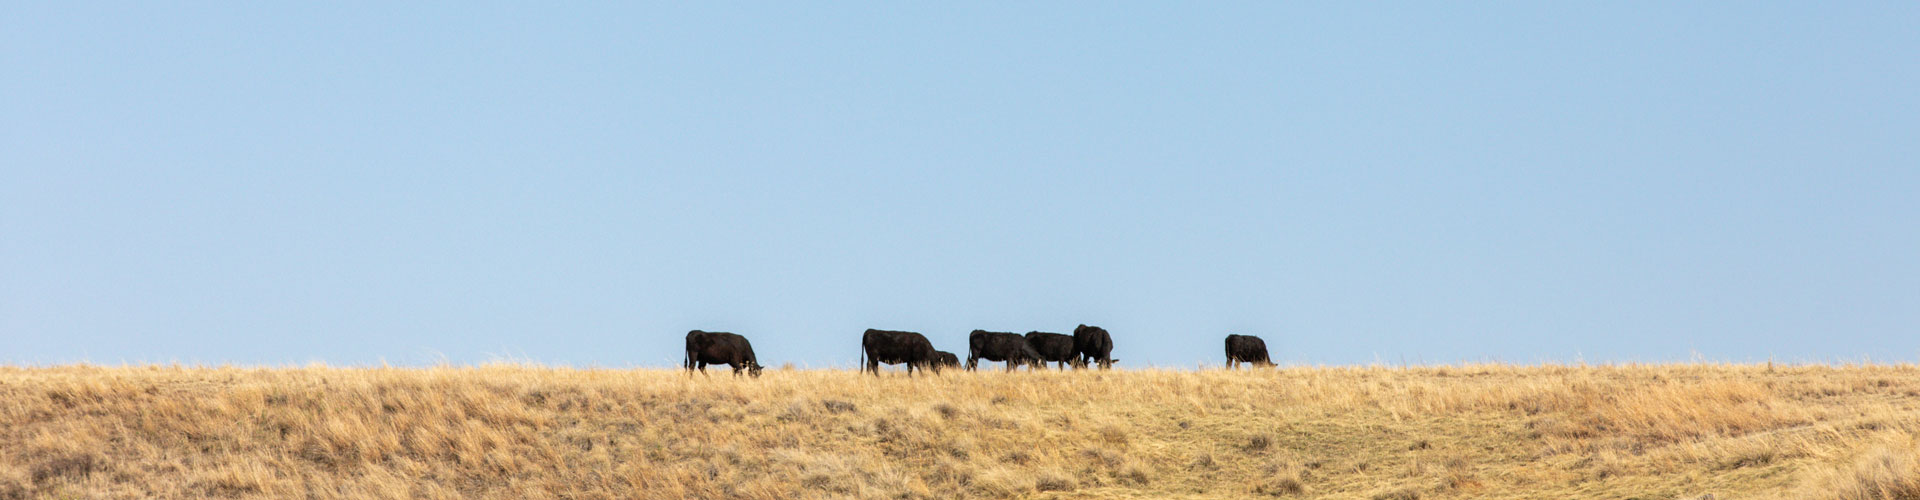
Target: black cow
[(999, 346), (1093, 344), (720, 348), (1053, 347), (1246, 349), (891, 347), (946, 359)]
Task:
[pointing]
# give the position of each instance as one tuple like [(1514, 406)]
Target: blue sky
[(268, 183)]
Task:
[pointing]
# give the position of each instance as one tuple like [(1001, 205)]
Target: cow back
[(889, 346), (998, 346), (1092, 341), (1051, 346), (1246, 348), (719, 347)]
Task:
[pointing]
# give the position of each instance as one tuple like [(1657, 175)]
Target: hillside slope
[(511, 431)]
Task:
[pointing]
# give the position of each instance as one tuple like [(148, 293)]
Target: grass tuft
[(526, 431), (69, 466), (1886, 472)]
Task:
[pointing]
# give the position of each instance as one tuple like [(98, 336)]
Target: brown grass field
[(523, 431)]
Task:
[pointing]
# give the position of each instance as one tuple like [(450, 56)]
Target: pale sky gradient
[(285, 182)]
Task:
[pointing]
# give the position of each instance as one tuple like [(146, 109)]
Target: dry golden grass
[(512, 431)]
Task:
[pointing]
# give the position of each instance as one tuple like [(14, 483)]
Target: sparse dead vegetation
[(512, 431)]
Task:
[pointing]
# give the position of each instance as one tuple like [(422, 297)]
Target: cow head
[(754, 369)]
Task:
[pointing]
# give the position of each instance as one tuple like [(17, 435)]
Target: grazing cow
[(720, 348), (946, 359), (999, 346), (1246, 349), (891, 347), (1093, 344), (1053, 347)]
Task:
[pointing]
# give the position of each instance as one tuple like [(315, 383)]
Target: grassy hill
[(510, 431)]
